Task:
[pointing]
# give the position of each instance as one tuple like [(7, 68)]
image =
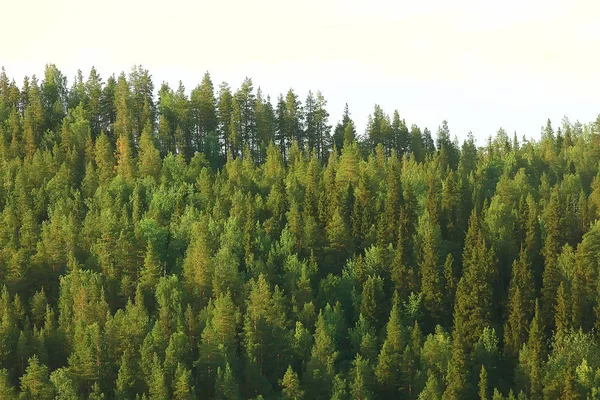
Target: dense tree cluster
[(217, 245)]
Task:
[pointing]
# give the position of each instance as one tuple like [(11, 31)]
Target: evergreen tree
[(456, 378), (483, 384), (226, 387), (520, 307), (344, 130), (320, 370), (157, 385), (6, 389), (531, 358), (473, 307), (35, 384), (220, 245), (551, 250), (388, 368), (431, 272), (126, 378), (361, 379), (198, 266), (181, 384), (224, 111), (432, 390), (152, 269), (149, 162), (561, 317), (264, 332), (104, 159), (291, 389)]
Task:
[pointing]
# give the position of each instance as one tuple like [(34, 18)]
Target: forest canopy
[(221, 245)]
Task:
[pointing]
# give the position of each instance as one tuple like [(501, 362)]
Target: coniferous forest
[(220, 244)]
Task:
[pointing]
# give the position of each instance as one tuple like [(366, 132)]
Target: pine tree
[(181, 384), (521, 304), (157, 385), (552, 243), (393, 201), (432, 390), (219, 338), (401, 273), (183, 140), (126, 378), (165, 136), (561, 317), (86, 362), (320, 370), (344, 130), (123, 132), (473, 308), (361, 379), (7, 391), (96, 393), (516, 326), (388, 368), (570, 391), (532, 356), (400, 136), (30, 137), (265, 125), (152, 269), (63, 384), (265, 334), (450, 283), (198, 266), (142, 102), (431, 272), (456, 379), (372, 300), (204, 113), (226, 387), (483, 384), (104, 159), (149, 162), (224, 111), (35, 384), (291, 389), (235, 133)]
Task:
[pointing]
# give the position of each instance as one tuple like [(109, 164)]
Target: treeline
[(219, 246), (216, 123)]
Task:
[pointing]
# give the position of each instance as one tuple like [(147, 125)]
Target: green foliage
[(35, 384), (217, 244), (290, 384)]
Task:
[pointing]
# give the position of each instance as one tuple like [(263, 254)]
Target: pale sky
[(481, 65)]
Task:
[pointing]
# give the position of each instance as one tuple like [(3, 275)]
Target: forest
[(216, 244)]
